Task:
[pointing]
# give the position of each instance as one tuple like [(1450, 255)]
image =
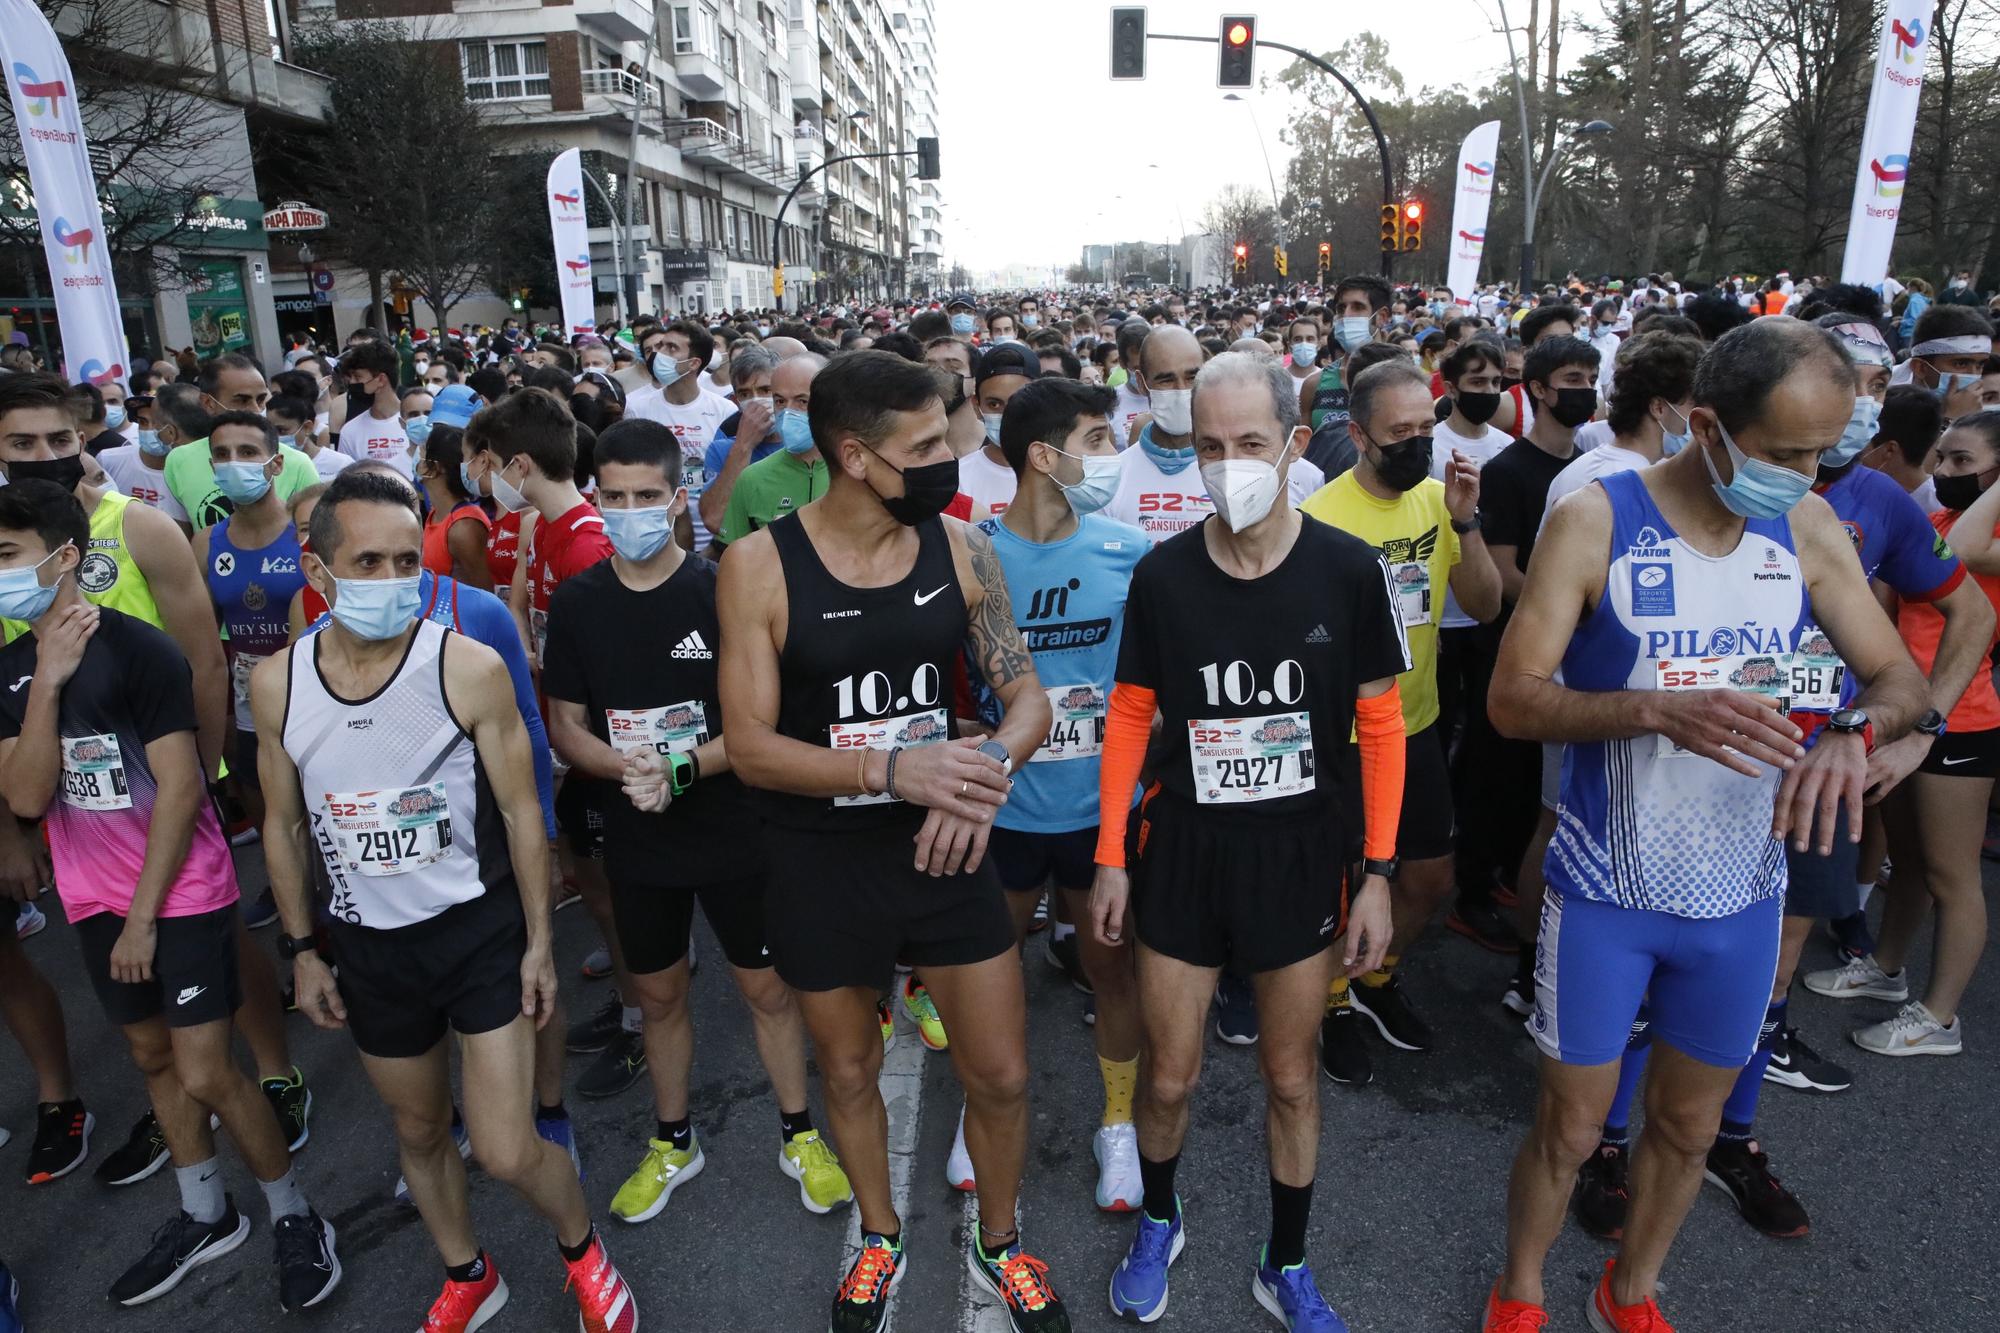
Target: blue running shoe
[(1139, 1283), (10, 1296), (560, 1131), (460, 1139), (1293, 1299)]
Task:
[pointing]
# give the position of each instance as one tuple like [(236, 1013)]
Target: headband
[(1865, 343), (1966, 344)]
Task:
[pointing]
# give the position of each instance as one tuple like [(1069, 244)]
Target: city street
[(1407, 1226)]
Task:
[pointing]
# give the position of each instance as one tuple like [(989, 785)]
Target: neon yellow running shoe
[(917, 1004), (663, 1170), (888, 1022), (807, 1159)]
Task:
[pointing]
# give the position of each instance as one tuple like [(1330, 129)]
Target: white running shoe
[(1859, 978), (958, 1167), (30, 921), (1116, 1148), (1913, 1031)]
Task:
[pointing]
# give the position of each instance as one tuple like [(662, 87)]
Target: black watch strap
[(1386, 869), (291, 946)]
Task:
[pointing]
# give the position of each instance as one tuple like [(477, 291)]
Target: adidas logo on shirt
[(692, 649), (1319, 635)]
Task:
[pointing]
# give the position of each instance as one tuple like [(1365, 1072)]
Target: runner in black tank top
[(839, 625)]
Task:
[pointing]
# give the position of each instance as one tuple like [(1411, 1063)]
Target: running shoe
[(1116, 1148), (597, 964), (604, 1303), (262, 911), (1021, 1281), (1744, 1172), (958, 1165), (463, 1142), (1139, 1283), (1797, 1065), (1235, 1011), (245, 836), (1604, 1191), (1519, 997), (1392, 1015), (662, 1170), (1859, 978), (917, 1004), (29, 920), (598, 1030), (1608, 1317), (1505, 896), (1485, 925), (1512, 1316), (1066, 958), (1913, 1031), (862, 1303), (143, 1153), (308, 1268), (887, 1021), (1040, 921), (1343, 1055), (1293, 1298), (10, 1301), (1852, 935), (561, 1131), (617, 1067), (62, 1140), (1090, 1011), (464, 1306), (292, 1101), (179, 1245), (809, 1159)]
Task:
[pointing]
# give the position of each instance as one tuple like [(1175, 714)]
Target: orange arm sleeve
[(1378, 725), (1128, 726)]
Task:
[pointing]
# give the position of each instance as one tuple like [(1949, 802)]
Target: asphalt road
[(1898, 1175)]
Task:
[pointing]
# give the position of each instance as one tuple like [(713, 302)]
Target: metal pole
[(617, 262), (632, 170), (778, 222), (1532, 202)]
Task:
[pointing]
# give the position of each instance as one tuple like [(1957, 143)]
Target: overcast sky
[(1038, 142)]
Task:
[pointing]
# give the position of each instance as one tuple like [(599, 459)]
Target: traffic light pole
[(1367, 111), (778, 222)]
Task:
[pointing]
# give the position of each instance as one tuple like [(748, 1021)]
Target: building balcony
[(614, 93), (702, 142), (701, 74), (616, 20)]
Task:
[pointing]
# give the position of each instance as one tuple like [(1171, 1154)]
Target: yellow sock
[(1121, 1077), (1336, 994), (1381, 975)]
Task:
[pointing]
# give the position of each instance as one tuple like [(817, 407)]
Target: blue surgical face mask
[(1860, 433), (1100, 482), (961, 325), (1351, 330), (288, 441), (114, 416), (1167, 460), (795, 429), (466, 479), (376, 609), (1673, 441), (22, 596), (242, 483), (150, 443), (1759, 489), (992, 422), (418, 428), (638, 534), (1304, 354), (665, 369), (1950, 383)]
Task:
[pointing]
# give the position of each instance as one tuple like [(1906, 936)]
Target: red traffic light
[(1239, 33), (1413, 210), (1242, 251)]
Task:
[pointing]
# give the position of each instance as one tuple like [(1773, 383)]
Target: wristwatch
[(682, 771), (1852, 721), (291, 946), (996, 750), (1386, 869), (1462, 528), (1932, 723)]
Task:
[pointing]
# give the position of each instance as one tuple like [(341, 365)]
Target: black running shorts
[(1964, 754), (460, 970), (195, 978), (653, 922), (580, 815), (843, 908), (1213, 889), (1028, 861)]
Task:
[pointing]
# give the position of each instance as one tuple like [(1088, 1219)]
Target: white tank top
[(399, 803)]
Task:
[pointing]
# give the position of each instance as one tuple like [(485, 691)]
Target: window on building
[(670, 213), (696, 28), (729, 54), (774, 95), (767, 19), (497, 71), (729, 227)]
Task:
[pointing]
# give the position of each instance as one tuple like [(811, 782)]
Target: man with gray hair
[(748, 436), (1263, 639)]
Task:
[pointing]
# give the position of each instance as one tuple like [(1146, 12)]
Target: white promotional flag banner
[(1884, 168), (572, 241), (45, 112), (1470, 205)]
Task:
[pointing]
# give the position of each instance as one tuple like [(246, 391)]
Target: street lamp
[(1277, 209), (1533, 202), (1174, 249)]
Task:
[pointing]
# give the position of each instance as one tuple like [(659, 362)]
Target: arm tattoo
[(997, 647)]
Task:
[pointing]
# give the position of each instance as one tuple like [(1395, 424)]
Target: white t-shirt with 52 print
[(380, 438)]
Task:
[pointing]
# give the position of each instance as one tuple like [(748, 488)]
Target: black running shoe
[(1797, 1065), (862, 1303), (62, 1140), (1064, 957), (308, 1269), (595, 1032), (1342, 1052), (1021, 1281), (1391, 1014), (1485, 925), (1742, 1169), (142, 1154), (179, 1245), (1519, 997), (1603, 1192), (292, 1101), (621, 1064), (1235, 1011), (262, 911), (1852, 935)]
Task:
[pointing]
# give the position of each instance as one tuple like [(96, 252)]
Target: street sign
[(322, 279), (294, 216)]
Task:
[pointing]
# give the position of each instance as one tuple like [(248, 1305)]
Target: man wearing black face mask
[(1428, 533), (840, 626)]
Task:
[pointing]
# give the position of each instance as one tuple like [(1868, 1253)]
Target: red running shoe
[(604, 1304), (1512, 1316), (465, 1306), (1609, 1317)]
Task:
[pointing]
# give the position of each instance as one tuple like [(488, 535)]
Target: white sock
[(201, 1191), (634, 1020), (284, 1197), (1062, 930)]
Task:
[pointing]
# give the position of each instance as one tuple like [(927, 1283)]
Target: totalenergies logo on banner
[(1472, 241), (569, 202), (1890, 171), (1909, 42), (577, 267), (43, 96), (1478, 178), (96, 372), (78, 242)]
